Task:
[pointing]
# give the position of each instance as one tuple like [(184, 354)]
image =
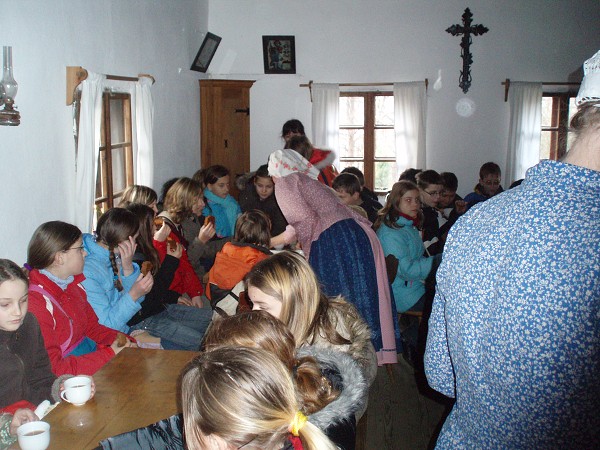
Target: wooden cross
[(466, 30)]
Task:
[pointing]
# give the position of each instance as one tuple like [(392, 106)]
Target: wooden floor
[(400, 414)]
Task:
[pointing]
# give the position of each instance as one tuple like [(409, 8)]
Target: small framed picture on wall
[(279, 54), (206, 52)]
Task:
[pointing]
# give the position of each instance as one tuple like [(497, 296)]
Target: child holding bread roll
[(115, 287), (182, 200), (165, 313), (74, 339)]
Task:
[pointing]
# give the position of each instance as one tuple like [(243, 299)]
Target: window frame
[(559, 127), (369, 127), (105, 154)]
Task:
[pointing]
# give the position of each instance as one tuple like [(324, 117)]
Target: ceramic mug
[(34, 435), (78, 390)]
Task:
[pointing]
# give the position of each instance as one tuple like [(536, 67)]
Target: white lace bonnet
[(589, 90)]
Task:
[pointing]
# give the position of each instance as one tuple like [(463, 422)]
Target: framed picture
[(279, 54), (206, 52)]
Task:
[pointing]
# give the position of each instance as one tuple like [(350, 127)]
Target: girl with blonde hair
[(244, 398), (286, 287), (139, 194), (183, 199), (330, 384)]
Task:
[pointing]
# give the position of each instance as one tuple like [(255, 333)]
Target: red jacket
[(55, 326), (323, 161), (185, 280)]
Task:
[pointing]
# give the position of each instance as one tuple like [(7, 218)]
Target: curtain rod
[(506, 84), (310, 83), (76, 74)]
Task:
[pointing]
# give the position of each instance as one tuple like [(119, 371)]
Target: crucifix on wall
[(467, 30)]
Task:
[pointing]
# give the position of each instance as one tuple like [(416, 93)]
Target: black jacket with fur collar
[(337, 420)]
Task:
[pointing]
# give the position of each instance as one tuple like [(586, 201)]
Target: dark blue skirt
[(343, 260)]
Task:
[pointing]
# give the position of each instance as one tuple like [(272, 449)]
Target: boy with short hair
[(488, 186), (451, 205), (348, 190), (365, 192)]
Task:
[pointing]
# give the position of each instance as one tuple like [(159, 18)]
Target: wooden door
[(225, 125)]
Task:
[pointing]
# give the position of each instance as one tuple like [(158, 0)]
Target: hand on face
[(126, 251)]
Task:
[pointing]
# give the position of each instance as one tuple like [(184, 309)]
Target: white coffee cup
[(78, 390), (34, 435)]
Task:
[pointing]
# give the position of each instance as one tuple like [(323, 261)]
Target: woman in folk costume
[(340, 246)]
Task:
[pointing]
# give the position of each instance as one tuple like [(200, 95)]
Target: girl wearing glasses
[(76, 343), (431, 186)]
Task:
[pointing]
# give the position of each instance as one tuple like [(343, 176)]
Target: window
[(367, 138), (115, 160), (557, 111)]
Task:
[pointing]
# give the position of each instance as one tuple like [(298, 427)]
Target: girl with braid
[(115, 287)]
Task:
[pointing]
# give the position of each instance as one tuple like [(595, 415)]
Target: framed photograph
[(279, 54), (206, 52)]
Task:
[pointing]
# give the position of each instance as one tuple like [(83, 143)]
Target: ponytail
[(115, 268), (314, 439)]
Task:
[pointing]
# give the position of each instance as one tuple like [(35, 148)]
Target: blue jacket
[(225, 210), (405, 244), (113, 308)]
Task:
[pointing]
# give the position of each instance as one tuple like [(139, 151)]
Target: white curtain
[(325, 117), (89, 139), (143, 152), (525, 101), (410, 112), (88, 145)]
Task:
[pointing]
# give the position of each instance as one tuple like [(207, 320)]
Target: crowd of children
[(155, 274)]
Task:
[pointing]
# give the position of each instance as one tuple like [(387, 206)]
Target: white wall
[(336, 41), (405, 40), (120, 37)]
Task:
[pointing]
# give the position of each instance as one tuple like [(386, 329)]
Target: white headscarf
[(285, 162)]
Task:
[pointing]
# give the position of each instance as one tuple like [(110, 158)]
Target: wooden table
[(136, 388)]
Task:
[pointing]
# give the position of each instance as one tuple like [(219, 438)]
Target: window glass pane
[(545, 145), (102, 132), (572, 109), (384, 110), (386, 174), (118, 170), (352, 111), (101, 175), (385, 145), (117, 133), (547, 111), (352, 143), (359, 164)]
